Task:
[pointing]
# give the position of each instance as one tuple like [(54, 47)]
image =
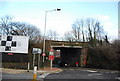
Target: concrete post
[(28, 67)]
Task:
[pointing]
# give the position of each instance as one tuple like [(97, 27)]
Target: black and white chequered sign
[(15, 44)]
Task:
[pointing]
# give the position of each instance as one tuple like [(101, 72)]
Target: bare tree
[(6, 25), (69, 36), (77, 33), (76, 29), (89, 29), (52, 35), (95, 31), (25, 29), (82, 25), (99, 31)]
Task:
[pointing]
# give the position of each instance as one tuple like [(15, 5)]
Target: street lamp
[(45, 31)]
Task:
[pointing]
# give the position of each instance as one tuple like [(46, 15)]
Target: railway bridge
[(69, 52)]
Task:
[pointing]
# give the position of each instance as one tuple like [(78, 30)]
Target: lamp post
[(45, 32)]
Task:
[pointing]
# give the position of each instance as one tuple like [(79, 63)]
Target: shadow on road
[(80, 80), (61, 80), (20, 80)]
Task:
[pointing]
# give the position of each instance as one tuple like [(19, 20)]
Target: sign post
[(51, 57), (43, 58), (28, 67), (51, 61), (36, 51), (33, 60), (38, 61)]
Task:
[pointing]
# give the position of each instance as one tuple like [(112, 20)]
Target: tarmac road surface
[(68, 74), (72, 74)]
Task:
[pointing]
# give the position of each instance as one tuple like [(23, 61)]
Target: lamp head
[(58, 9)]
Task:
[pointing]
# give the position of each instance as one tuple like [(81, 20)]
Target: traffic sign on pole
[(51, 57), (37, 51), (51, 52), (43, 54)]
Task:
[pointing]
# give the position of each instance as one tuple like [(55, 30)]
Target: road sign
[(51, 57), (57, 53), (51, 52), (43, 54), (37, 51), (10, 54)]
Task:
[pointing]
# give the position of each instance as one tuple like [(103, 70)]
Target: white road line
[(91, 71), (44, 75), (117, 78), (94, 74), (114, 72)]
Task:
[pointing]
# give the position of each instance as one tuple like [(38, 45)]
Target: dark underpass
[(69, 55)]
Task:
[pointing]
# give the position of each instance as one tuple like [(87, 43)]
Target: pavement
[(21, 71), (40, 71), (49, 70)]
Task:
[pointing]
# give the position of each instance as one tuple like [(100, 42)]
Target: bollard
[(35, 73), (28, 67)]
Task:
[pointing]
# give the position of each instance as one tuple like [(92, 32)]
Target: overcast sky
[(33, 12)]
